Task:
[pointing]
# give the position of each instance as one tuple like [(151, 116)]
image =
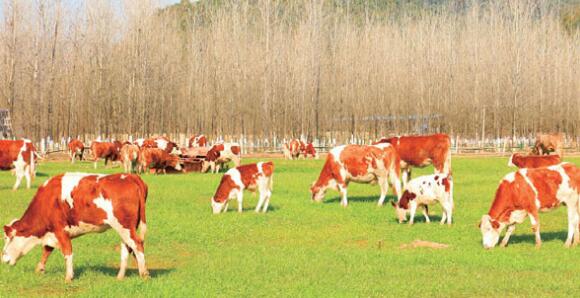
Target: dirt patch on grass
[(422, 243)]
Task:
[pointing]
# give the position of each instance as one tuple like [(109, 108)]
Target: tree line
[(275, 68)]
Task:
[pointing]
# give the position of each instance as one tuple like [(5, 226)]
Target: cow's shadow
[(531, 238), (362, 199), (131, 272)]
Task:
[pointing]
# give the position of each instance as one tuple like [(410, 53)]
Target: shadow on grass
[(365, 199), (531, 238), (112, 271), (40, 174), (271, 208)]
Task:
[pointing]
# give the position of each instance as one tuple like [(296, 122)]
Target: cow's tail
[(142, 222), (395, 175), (447, 163)]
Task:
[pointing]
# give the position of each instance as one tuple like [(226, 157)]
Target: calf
[(526, 193), (154, 158), (221, 154), (19, 155), (533, 161), (250, 177), (76, 148), (197, 141), (424, 191), (358, 163), (73, 204), (130, 157), (421, 151), (107, 150)]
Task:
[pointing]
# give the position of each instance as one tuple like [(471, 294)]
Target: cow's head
[(318, 192), (490, 230), (216, 207), (402, 206), (16, 246)]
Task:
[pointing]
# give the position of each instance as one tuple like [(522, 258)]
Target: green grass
[(300, 248)]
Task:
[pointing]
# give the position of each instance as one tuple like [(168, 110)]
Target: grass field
[(300, 248)]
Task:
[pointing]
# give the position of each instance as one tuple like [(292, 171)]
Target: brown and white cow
[(424, 191), (533, 161), (162, 143), (524, 194), (308, 149), (106, 150), (19, 155), (361, 164), (197, 141), (220, 154), (76, 148), (155, 158), (292, 149), (194, 152), (73, 204), (421, 151), (549, 142), (252, 177), (130, 157)]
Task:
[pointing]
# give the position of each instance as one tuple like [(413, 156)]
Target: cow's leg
[(395, 183), (443, 216), (27, 176), (384, 185), (125, 251), (19, 168), (267, 202), (240, 197), (534, 219), (508, 233), (46, 251), (72, 157), (66, 248), (226, 206), (95, 162), (412, 210), (134, 243), (572, 226), (426, 213), (447, 212), (343, 198)]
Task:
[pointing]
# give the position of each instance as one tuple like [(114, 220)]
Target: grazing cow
[(292, 149), (197, 141), (155, 158), (252, 177), (162, 143), (423, 191), (76, 148), (533, 161), (73, 204), (421, 151), (308, 149), (362, 164), (525, 193), (546, 143), (130, 157), (19, 155), (221, 154), (107, 150)]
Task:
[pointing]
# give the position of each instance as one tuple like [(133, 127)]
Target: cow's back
[(9, 151)]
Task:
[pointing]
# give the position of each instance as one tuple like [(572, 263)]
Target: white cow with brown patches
[(19, 155), (424, 191), (250, 177), (73, 204)]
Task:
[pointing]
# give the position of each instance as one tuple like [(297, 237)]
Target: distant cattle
[(524, 194), (250, 177), (421, 151), (73, 204), (309, 150), (76, 148), (361, 164), (292, 149), (162, 143), (546, 143), (106, 150), (424, 191), (533, 161), (130, 157), (197, 141), (221, 154), (19, 155), (159, 160)]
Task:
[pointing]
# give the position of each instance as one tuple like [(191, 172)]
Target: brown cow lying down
[(524, 194), (194, 151), (73, 204), (154, 158), (362, 164), (421, 151), (250, 177), (533, 161)]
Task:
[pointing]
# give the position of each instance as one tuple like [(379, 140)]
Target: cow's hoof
[(120, 277), (145, 275), (39, 269)]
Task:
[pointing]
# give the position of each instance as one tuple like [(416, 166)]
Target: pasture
[(301, 248)]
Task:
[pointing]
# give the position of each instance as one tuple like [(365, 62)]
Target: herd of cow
[(72, 204)]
